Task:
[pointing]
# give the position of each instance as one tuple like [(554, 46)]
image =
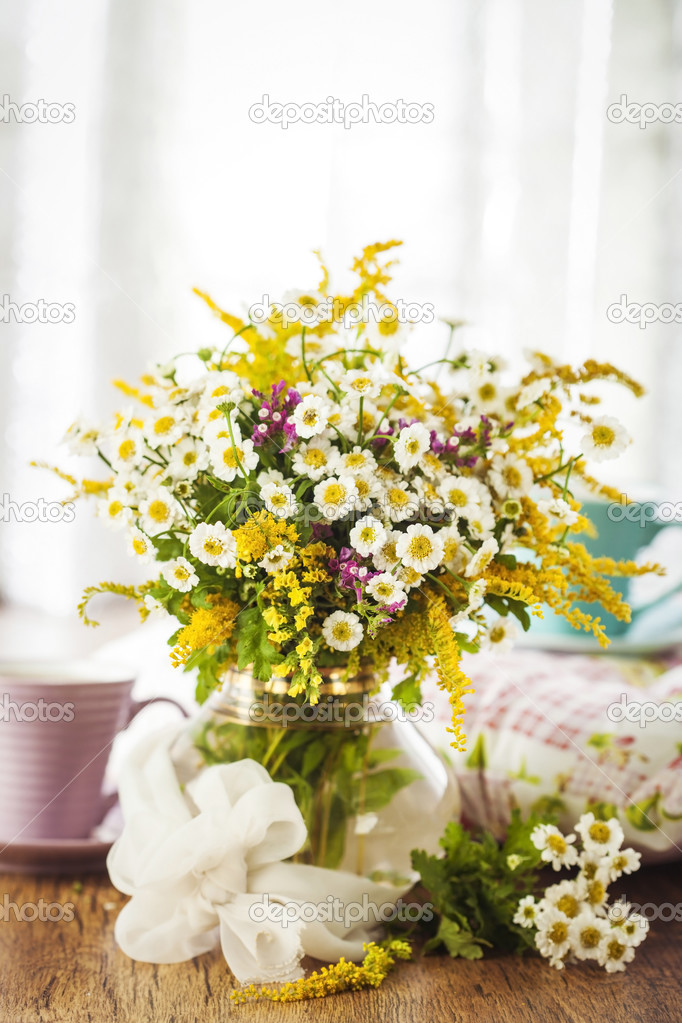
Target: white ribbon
[(196, 863)]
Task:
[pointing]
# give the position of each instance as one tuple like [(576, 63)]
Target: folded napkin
[(204, 863)]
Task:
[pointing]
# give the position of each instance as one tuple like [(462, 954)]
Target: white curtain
[(523, 208)]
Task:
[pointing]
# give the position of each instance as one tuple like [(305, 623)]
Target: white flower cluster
[(573, 920)]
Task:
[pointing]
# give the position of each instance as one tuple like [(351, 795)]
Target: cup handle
[(138, 705)]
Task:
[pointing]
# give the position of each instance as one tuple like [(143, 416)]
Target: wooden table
[(57, 972)]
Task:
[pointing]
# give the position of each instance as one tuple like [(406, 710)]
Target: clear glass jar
[(369, 785)]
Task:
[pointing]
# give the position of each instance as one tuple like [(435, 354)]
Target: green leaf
[(167, 547), (253, 646), (408, 692), (477, 758), (458, 942), (520, 611), (380, 788)]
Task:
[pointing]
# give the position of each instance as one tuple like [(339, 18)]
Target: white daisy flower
[(367, 536), (386, 558), (398, 502), (344, 419), (315, 459), (383, 330), (564, 897), (631, 928), (335, 496), (159, 511), (140, 546), (125, 448), (587, 932), (212, 543), (593, 892), (431, 466), (532, 392), (591, 867), (552, 938), (614, 953), (556, 848), (230, 460), (413, 442), (342, 631), (605, 438), (487, 394), (369, 489), (362, 383), (81, 438), (410, 577), (359, 460), (420, 548), (482, 558), (164, 426), (560, 509), (464, 495), (601, 838), (477, 594), (188, 458), (454, 553), (180, 575), (623, 861), (154, 607), (499, 637), (276, 559), (527, 912), (220, 386), (481, 526), (269, 476), (510, 476), (311, 416), (279, 500), (114, 509), (386, 589)]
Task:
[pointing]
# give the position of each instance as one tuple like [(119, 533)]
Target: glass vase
[(370, 787)]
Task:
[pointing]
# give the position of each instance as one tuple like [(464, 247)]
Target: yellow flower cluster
[(260, 534), (451, 678), (208, 628), (378, 962)]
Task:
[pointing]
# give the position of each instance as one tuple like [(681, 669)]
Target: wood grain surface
[(57, 972)]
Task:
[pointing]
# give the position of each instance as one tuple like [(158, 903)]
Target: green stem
[(303, 358)]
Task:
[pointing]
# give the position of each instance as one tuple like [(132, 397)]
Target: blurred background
[(523, 206)]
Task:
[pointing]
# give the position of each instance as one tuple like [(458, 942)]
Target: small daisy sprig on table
[(573, 920)]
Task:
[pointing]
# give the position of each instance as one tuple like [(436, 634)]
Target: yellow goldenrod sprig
[(378, 962)]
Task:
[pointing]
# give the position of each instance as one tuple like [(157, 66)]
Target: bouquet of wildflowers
[(305, 500)]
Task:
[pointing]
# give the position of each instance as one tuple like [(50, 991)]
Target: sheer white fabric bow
[(197, 862)]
